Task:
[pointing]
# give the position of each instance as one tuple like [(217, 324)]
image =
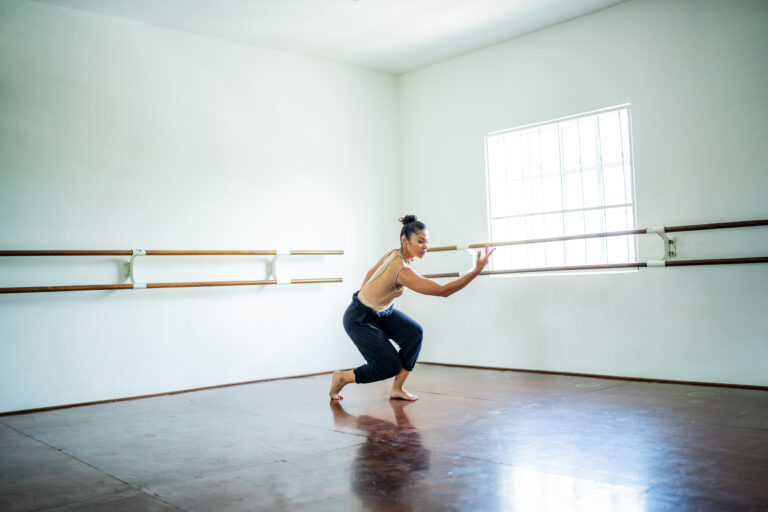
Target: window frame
[(633, 204)]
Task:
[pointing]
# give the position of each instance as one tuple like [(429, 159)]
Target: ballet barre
[(637, 264), (148, 252), (272, 268), (669, 249)]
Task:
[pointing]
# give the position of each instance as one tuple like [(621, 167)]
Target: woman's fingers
[(482, 259)]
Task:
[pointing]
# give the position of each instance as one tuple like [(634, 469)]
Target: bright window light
[(570, 176)]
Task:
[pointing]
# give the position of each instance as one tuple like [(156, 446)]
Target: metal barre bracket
[(272, 267), (129, 270), (670, 248)]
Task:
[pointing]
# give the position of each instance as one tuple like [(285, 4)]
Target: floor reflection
[(391, 459), (527, 489)]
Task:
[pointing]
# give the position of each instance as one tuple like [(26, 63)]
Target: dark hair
[(410, 225)]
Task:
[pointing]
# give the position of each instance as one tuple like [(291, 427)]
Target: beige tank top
[(381, 290)]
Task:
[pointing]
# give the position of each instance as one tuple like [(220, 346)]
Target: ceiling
[(394, 36)]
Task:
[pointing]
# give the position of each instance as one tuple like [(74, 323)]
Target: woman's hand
[(482, 261)]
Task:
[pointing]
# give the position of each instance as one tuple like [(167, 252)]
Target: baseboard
[(599, 376)]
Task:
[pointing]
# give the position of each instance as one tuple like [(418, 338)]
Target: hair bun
[(407, 219)]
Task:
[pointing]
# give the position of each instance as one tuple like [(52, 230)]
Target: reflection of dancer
[(391, 458), (371, 319)]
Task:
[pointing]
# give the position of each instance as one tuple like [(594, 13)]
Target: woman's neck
[(405, 254)]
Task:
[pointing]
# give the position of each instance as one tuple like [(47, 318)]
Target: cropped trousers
[(371, 331)]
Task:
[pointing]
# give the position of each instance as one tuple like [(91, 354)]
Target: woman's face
[(416, 246)]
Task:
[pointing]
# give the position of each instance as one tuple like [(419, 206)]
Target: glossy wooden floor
[(476, 440)]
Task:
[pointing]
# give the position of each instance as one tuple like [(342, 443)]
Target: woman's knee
[(415, 337), (418, 333)]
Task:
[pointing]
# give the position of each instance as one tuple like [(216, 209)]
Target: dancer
[(371, 319)]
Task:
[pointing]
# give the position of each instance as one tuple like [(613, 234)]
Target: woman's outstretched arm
[(416, 282)]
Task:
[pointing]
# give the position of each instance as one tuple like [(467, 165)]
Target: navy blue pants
[(371, 331)]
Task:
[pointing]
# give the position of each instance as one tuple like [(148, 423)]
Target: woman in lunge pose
[(371, 319)]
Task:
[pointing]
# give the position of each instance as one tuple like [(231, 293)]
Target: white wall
[(696, 76), (118, 135)]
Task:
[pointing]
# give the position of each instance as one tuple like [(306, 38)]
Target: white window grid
[(611, 156)]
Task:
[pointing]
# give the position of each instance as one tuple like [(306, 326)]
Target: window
[(565, 177)]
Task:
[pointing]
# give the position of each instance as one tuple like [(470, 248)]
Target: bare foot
[(337, 383), (402, 395)]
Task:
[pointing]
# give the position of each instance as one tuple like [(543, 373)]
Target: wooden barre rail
[(671, 229), (638, 264), (134, 253), (272, 252), (129, 286)]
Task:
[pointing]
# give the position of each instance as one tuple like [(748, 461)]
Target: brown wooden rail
[(129, 286), (272, 252), (638, 264), (670, 229), (718, 225)]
